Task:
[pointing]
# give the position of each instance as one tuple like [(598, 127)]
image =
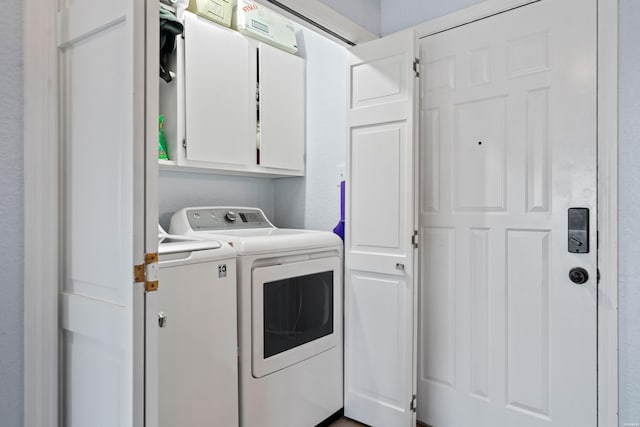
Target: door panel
[(377, 307), (379, 158), (508, 116), (379, 267), (101, 51)]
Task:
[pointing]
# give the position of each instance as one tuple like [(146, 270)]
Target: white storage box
[(219, 11), (263, 24)]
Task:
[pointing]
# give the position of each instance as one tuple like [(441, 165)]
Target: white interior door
[(508, 113), (102, 55), (379, 265)]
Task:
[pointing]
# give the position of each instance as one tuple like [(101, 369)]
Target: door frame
[(41, 231), (41, 177), (607, 158)]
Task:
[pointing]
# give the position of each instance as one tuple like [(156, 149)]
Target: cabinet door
[(282, 109), (219, 98)]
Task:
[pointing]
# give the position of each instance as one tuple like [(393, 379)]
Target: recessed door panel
[(381, 80), (480, 154), (378, 154), (528, 253), (437, 318), (376, 305)]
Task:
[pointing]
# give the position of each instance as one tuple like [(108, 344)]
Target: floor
[(346, 422)]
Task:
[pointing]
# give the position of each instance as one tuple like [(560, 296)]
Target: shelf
[(167, 162), (234, 170)]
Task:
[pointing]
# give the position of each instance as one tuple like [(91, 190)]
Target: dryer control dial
[(231, 216)]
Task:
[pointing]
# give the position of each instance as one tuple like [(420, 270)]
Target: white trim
[(607, 183), (470, 14), (41, 205), (325, 16), (608, 213)]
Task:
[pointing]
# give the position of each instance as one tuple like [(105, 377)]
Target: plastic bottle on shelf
[(162, 140)]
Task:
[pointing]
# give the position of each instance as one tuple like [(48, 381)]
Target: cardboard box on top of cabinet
[(258, 22), (219, 11)]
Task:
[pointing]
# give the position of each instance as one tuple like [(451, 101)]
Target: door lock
[(578, 275), (578, 231)]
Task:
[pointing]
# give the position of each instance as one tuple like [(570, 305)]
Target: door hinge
[(413, 404), (147, 272), (414, 239), (416, 67)]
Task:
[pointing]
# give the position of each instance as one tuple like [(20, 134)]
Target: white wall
[(313, 202), (11, 223), (629, 214)]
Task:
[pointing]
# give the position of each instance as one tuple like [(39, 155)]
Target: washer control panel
[(211, 219)]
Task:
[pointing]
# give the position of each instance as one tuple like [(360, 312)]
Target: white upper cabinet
[(219, 103), (282, 108), (238, 105)]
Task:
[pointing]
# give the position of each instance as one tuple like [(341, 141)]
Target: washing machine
[(289, 314), (193, 375)]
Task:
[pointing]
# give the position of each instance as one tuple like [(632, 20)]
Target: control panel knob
[(578, 275), (231, 216)]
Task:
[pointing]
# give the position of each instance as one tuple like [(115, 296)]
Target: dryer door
[(295, 313)]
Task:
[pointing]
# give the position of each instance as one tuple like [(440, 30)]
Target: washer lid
[(176, 246), (271, 240)]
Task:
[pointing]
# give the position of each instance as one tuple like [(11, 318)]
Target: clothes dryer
[(289, 314)]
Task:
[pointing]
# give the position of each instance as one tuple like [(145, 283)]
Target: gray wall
[(11, 223), (178, 190), (313, 202), (629, 213), (365, 13), (397, 15)]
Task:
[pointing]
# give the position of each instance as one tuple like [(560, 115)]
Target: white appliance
[(289, 314), (196, 363), (255, 20)]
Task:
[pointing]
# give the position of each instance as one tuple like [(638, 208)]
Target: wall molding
[(41, 214)]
